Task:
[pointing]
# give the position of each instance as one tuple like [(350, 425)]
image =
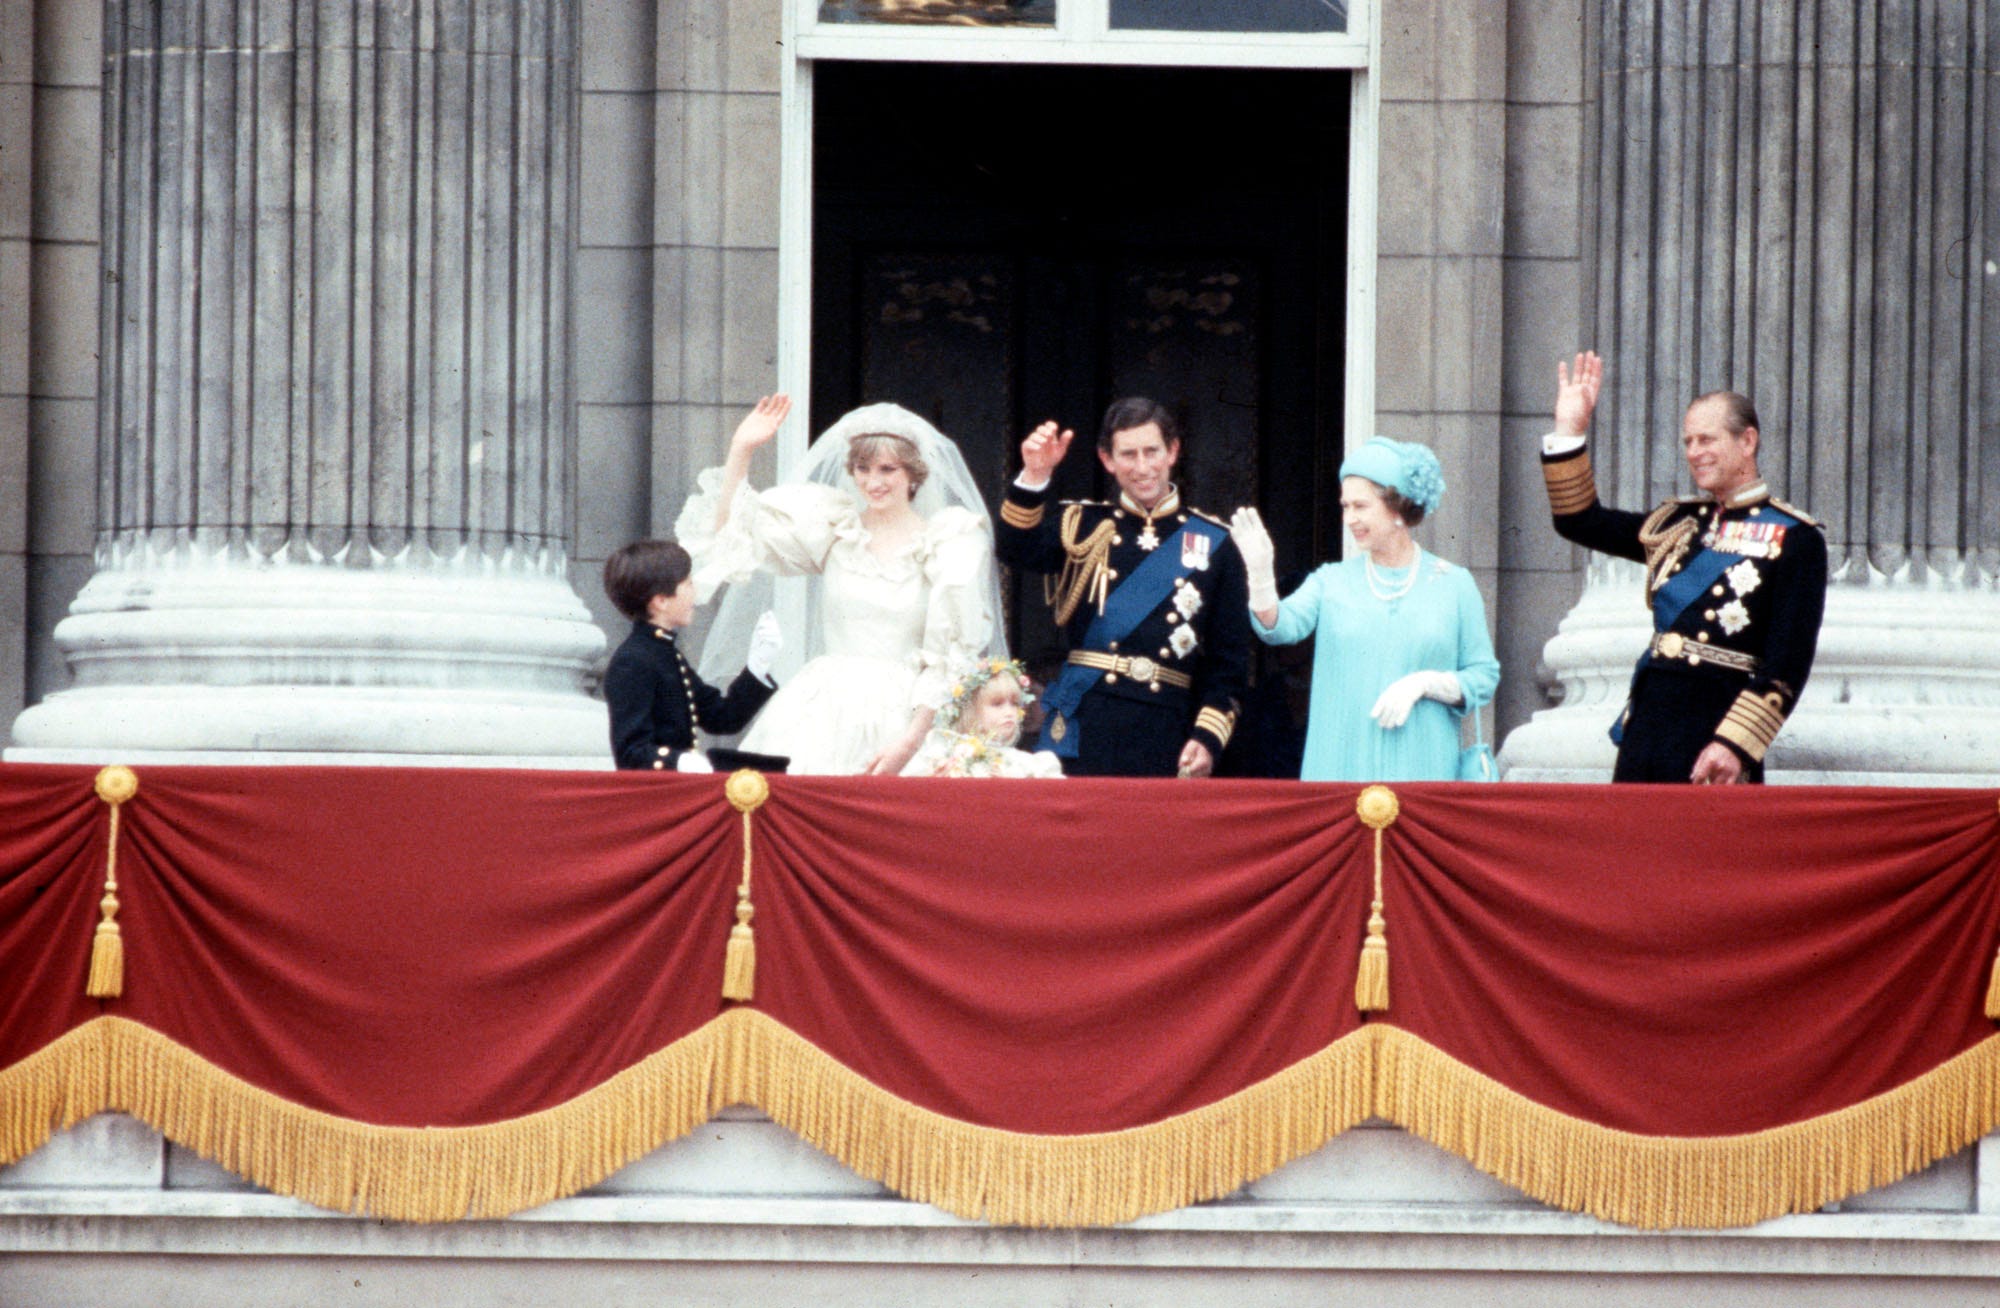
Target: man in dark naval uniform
[(655, 699), (1736, 580), (1151, 595)]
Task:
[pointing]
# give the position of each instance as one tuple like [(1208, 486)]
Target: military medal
[(1753, 540), (1148, 538), (1194, 551)]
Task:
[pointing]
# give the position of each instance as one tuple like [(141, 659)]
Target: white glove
[(1392, 707), (1254, 544), (765, 642), (693, 760)]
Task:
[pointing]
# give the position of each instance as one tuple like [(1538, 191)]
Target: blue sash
[(1138, 595), (1680, 591)]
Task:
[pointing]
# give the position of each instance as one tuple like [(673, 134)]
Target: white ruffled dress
[(890, 627)]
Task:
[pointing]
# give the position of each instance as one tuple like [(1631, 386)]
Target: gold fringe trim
[(1666, 1181), (422, 1174), (1004, 1177), (444, 1174)]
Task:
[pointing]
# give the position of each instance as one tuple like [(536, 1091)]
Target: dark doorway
[(996, 245)]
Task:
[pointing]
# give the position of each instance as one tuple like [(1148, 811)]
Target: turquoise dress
[(1364, 643)]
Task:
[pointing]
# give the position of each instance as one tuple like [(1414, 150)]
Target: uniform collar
[(1170, 503), (1755, 493), (659, 633)]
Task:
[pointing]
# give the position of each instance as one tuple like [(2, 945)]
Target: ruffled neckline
[(851, 536)]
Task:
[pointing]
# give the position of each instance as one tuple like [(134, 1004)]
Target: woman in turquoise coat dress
[(1402, 651)]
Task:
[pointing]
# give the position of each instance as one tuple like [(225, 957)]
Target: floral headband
[(973, 679)]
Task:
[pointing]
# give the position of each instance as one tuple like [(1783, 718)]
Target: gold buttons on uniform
[(1717, 591)]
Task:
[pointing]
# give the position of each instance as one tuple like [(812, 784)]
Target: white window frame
[(1081, 35)]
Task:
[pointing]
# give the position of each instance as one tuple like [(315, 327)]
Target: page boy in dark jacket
[(657, 702)]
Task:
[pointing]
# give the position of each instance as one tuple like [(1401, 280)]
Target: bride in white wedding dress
[(884, 516)]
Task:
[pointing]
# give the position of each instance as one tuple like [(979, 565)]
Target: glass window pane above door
[(948, 13), (1230, 15)]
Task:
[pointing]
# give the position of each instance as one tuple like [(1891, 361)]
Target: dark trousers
[(1128, 737), (1674, 716)]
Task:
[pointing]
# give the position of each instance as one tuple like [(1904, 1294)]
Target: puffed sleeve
[(958, 618), (1478, 671), (787, 529)]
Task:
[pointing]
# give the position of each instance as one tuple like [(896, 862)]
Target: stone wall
[(676, 283)]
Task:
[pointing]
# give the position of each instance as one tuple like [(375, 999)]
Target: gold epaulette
[(1087, 568), (1571, 484), (1666, 544), (1786, 506), (1206, 516), (1753, 721)]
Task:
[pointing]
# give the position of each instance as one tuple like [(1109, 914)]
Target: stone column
[(1802, 202), (336, 428)]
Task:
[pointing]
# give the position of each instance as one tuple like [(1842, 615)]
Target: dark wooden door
[(996, 246)]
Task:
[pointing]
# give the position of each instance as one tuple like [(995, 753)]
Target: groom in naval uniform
[(1151, 595), (1736, 580)]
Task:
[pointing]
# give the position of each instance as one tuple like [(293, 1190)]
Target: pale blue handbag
[(1475, 761)]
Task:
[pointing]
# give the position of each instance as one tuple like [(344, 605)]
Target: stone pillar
[(336, 428), (1802, 202)]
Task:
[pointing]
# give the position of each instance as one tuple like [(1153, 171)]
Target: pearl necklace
[(1390, 592)]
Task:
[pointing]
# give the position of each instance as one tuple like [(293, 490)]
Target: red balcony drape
[(433, 994)]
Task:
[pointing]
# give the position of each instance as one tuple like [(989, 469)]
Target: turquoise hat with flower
[(1407, 468)]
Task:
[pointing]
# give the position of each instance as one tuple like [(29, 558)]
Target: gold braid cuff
[(1216, 723), (1087, 571), (1572, 487), (1753, 721), (1020, 515)]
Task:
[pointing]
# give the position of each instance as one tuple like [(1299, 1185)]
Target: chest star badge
[(1732, 617), (1744, 577)]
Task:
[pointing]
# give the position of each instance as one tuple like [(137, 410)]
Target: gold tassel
[(115, 785), (1993, 991), (1377, 807), (739, 962), (1371, 983), (746, 790)]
